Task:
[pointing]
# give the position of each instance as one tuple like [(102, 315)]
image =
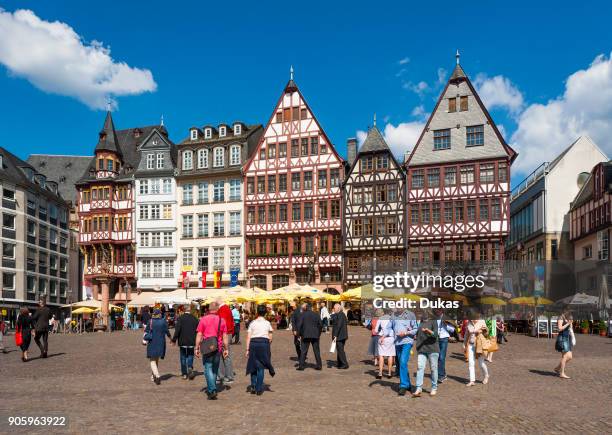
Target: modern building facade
[(293, 200), (106, 213), (458, 183), (35, 238), (66, 170), (539, 205), (211, 201), (374, 210), (156, 213)]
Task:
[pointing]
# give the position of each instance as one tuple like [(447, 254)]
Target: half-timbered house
[(293, 200), (373, 224), (106, 213), (458, 182)]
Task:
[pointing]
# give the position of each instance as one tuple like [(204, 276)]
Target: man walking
[(227, 370), (445, 329), (428, 349), (212, 329), (404, 329), (41, 327), (340, 334), (185, 330), (324, 316), (2, 332), (295, 327), (310, 332)]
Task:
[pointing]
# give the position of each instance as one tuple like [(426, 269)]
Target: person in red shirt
[(227, 370)]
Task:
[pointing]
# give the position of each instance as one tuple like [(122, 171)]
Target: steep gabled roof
[(108, 138), (65, 170), (374, 141), (466, 153), (291, 87)]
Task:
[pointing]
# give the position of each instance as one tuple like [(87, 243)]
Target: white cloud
[(499, 91), (442, 73), (584, 108), (418, 88), (55, 59), (419, 112), (403, 61)]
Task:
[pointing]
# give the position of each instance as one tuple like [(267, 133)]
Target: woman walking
[(473, 347), (25, 326), (386, 345), (157, 331), (565, 342), (373, 344), (259, 354)]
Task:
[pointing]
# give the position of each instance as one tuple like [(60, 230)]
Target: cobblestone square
[(101, 382)]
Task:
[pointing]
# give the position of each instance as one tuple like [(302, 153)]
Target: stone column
[(105, 282), (95, 290)]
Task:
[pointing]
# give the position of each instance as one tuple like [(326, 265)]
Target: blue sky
[(220, 62)]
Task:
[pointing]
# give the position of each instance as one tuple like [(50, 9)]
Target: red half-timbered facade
[(293, 200), (106, 212), (458, 182)]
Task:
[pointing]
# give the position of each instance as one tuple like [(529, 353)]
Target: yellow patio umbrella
[(351, 294), (332, 298), (530, 300), (83, 310), (491, 300)]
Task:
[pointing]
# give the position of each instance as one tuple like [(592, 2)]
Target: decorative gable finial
[(457, 56), (108, 104), (161, 123), (291, 72), (374, 119)]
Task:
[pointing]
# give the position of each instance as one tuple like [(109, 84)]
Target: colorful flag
[(217, 278), (202, 279), (185, 279), (233, 278)]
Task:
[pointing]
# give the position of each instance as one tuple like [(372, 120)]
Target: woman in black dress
[(25, 326)]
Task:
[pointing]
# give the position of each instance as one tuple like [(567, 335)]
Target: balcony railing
[(530, 180)]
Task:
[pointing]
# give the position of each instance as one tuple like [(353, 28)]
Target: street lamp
[(326, 278)]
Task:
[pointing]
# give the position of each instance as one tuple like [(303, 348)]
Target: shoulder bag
[(18, 337), (148, 336)]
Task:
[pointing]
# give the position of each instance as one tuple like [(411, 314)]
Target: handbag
[(148, 336), (18, 337), (332, 348), (210, 345), (559, 343), (493, 346)]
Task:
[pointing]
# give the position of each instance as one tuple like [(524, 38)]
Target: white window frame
[(235, 157), (187, 160), (235, 223), (222, 131), (202, 159), (194, 134), (143, 186), (167, 186), (235, 257), (207, 133), (235, 189), (150, 161), (160, 160), (218, 157), (237, 130)]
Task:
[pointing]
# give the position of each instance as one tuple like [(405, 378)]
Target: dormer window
[(222, 131), (194, 134), (237, 130), (160, 160), (1, 161), (150, 161), (207, 133)]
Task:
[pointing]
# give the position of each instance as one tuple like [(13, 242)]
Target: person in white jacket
[(324, 316)]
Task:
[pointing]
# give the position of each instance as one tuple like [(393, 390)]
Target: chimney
[(351, 146), (406, 156)]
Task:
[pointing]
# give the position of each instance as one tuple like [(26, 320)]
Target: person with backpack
[(212, 342)]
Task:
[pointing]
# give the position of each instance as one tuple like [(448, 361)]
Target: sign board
[(554, 327), (543, 327), (186, 268), (4, 312)]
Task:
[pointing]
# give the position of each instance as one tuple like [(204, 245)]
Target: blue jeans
[(257, 379), (403, 356), (442, 358), (186, 354), (211, 368), (433, 364)]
